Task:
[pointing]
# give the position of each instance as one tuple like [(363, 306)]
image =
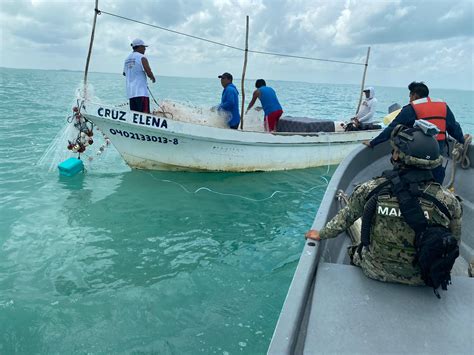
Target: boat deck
[(331, 307), (355, 315)]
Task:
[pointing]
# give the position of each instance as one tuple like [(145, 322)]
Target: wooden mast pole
[(96, 11), (363, 80), (243, 72)]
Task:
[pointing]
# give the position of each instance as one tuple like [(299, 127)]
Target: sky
[(422, 40)]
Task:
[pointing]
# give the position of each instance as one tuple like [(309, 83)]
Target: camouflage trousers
[(376, 269)]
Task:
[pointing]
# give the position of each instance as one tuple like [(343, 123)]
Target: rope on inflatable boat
[(460, 156)]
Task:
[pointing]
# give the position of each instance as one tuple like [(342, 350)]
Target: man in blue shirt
[(230, 100), (271, 105), (421, 106)]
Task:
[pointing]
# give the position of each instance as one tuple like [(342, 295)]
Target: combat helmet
[(417, 146)]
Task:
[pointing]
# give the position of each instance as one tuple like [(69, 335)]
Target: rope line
[(224, 44), (159, 106), (172, 31), (307, 58), (278, 192)]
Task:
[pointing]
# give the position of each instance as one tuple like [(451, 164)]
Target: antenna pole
[(96, 12), (363, 79), (243, 71)]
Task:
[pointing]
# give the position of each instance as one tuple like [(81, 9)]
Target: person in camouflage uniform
[(391, 252)]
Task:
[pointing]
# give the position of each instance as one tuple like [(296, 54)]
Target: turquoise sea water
[(122, 261)]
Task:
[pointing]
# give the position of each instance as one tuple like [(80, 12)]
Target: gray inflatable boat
[(331, 307)]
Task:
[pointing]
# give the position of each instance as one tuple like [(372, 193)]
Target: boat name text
[(149, 121), (138, 118), (115, 115)]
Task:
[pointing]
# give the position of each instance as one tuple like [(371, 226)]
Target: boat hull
[(151, 142)]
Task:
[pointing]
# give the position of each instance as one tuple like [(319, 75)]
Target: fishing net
[(184, 112)]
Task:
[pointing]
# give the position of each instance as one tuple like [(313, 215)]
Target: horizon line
[(246, 79)]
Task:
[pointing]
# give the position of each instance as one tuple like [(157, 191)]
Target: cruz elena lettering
[(113, 114), (149, 120), (138, 118)]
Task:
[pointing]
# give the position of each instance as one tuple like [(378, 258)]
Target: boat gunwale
[(339, 137)]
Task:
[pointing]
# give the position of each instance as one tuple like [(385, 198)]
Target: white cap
[(138, 42)]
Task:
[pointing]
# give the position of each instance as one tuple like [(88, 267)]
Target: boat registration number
[(143, 137)]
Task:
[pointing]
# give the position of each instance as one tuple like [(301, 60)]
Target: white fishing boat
[(169, 142), (148, 141)]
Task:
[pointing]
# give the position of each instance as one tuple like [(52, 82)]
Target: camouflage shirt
[(391, 251)]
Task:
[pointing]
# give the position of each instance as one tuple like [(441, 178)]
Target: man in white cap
[(136, 69)]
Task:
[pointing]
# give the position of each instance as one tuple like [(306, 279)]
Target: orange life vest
[(434, 111)]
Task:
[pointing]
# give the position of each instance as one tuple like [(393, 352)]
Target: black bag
[(436, 251), (351, 127), (436, 248)]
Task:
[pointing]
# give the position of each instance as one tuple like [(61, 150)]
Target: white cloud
[(452, 14), (433, 39), (342, 36)]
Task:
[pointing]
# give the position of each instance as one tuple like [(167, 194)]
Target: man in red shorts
[(271, 105)]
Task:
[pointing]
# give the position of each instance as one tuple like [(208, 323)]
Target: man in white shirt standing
[(136, 68), (365, 115)]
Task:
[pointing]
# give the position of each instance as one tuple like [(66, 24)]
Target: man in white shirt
[(136, 68), (365, 115)]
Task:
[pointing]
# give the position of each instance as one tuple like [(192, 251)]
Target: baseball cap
[(138, 42), (226, 76)]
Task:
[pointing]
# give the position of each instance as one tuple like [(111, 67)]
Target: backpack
[(436, 248), (436, 252)]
